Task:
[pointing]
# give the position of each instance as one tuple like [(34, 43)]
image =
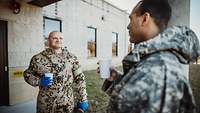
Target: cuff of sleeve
[(106, 85), (78, 71)]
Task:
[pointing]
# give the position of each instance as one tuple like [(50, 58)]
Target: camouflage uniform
[(155, 76), (57, 98)]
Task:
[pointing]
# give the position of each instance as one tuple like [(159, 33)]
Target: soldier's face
[(55, 40), (135, 27)]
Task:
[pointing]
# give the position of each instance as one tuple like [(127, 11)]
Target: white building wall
[(77, 15), (24, 40), (25, 36)]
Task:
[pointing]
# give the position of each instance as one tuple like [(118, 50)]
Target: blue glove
[(46, 81), (83, 106)]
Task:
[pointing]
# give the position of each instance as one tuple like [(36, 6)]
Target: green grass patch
[(97, 98)]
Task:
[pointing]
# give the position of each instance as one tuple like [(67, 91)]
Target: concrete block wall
[(180, 12), (24, 40), (114, 21), (77, 15), (25, 36)]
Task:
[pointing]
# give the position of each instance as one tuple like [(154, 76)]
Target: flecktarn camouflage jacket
[(155, 76), (57, 98)]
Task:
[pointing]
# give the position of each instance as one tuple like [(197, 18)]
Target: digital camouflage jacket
[(57, 98), (155, 76)]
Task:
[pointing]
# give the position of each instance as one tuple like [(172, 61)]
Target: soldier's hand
[(83, 106), (113, 74), (46, 81)]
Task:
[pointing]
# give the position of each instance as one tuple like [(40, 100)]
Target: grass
[(97, 98)]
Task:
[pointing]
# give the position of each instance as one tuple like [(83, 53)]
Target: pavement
[(26, 107)]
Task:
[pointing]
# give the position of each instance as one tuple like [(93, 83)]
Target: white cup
[(104, 66), (49, 75)]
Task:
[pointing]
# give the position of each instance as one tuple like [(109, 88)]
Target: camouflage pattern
[(155, 76), (57, 98)]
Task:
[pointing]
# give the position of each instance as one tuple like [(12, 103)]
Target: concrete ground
[(27, 107)]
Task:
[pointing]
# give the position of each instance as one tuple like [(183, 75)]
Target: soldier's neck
[(57, 50)]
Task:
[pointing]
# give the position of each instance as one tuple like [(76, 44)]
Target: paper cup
[(104, 66), (49, 75)]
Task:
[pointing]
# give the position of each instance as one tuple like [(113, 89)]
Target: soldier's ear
[(47, 43), (145, 19)]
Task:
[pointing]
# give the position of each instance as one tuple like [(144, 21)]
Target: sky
[(194, 11), (195, 17), (124, 4)]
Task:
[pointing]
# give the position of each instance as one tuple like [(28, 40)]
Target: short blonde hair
[(52, 32)]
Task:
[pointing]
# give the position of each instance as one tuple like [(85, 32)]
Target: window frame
[(52, 19), (95, 30), (117, 42)]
